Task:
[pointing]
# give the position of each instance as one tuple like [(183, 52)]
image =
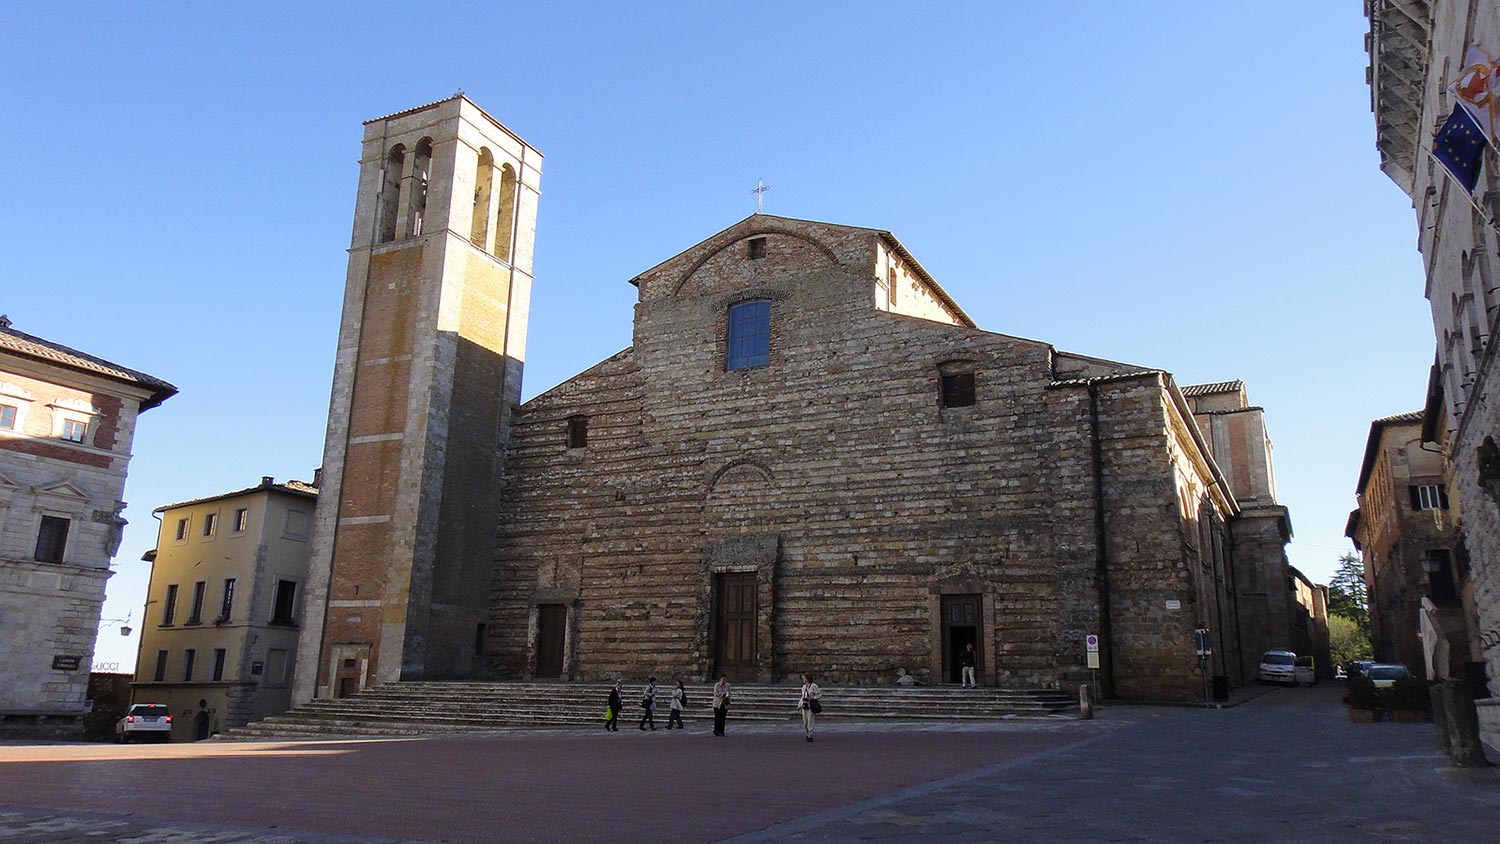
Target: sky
[(1178, 185)]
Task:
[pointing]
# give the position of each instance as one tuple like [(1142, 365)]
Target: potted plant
[(1408, 700), (1363, 699)]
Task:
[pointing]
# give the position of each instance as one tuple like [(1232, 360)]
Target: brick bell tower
[(428, 370)]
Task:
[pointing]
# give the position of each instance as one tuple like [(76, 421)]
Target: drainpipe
[(1101, 549)]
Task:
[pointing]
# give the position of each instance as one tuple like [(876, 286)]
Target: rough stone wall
[(837, 478)]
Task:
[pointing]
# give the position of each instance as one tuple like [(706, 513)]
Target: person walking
[(612, 709), (648, 703), (674, 709), (721, 703), (969, 660), (809, 704)]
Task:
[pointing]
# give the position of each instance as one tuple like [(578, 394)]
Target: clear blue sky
[(1181, 185)]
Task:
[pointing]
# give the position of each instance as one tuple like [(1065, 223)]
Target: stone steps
[(426, 708)]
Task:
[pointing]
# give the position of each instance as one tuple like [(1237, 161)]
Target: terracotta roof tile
[(28, 345)]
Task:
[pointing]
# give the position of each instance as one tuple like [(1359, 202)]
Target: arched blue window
[(749, 335)]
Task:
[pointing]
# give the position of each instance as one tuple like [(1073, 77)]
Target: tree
[(1346, 593), (1346, 641)]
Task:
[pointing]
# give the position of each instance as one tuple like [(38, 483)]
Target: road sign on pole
[(1091, 643)]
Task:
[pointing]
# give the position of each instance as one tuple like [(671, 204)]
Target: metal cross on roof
[(760, 193)]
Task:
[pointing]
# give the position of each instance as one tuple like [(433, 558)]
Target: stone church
[(810, 459)]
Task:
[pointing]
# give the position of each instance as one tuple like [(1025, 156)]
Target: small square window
[(182, 529), (578, 432), (210, 521), (958, 390), (8, 416), (73, 430), (757, 248), (241, 519)]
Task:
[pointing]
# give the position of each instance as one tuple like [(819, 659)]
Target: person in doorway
[(721, 703), (648, 703), (969, 660), (674, 709), (612, 709), (809, 704)]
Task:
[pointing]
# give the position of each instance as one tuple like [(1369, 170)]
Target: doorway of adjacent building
[(735, 622), (961, 628), (551, 635)]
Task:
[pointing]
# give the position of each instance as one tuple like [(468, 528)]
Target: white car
[(145, 720), (1278, 667)]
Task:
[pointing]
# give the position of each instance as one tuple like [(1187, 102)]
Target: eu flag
[(1459, 145)]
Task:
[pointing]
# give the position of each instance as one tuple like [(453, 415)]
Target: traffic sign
[(1091, 642)]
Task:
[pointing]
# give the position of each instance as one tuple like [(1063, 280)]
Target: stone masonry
[(427, 370), (1074, 496), (67, 420)]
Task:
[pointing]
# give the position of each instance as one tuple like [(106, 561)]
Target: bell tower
[(428, 370)]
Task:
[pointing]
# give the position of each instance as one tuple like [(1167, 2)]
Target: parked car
[(1306, 671), (1385, 675), (1360, 666), (1278, 667), (145, 721)]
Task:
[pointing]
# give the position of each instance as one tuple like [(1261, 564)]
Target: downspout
[(1101, 550)]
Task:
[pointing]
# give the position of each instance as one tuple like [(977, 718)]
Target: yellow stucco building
[(219, 633)]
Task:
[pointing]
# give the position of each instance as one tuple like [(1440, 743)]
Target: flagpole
[(1478, 209)]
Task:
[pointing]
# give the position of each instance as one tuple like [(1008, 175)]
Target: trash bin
[(1221, 688)]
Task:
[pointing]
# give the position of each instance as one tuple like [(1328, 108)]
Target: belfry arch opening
[(505, 213), (483, 183), (390, 194), (421, 169)]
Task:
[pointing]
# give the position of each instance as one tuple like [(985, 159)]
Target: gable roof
[(937, 290), (22, 344), (300, 489), (1372, 444)]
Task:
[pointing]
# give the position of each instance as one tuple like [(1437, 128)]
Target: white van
[(1278, 667)]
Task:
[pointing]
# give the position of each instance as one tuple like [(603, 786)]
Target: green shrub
[(1362, 693), (1408, 692)]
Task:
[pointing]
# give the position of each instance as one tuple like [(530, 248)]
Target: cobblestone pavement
[(1288, 766)]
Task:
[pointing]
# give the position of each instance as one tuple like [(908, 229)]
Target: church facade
[(810, 459)]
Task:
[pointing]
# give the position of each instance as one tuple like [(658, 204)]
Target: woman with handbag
[(612, 709), (721, 703), (809, 704)]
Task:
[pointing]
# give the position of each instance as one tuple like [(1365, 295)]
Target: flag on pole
[(1459, 146), (1475, 89)]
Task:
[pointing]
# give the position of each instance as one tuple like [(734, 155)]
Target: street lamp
[(125, 629)]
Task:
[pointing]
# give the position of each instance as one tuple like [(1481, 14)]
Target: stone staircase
[(422, 708)]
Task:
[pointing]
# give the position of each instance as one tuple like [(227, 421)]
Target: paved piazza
[(1288, 766)]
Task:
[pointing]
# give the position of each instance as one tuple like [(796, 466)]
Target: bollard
[(1086, 703)]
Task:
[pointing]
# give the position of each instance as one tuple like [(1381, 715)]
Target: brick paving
[(556, 786), (1288, 766)]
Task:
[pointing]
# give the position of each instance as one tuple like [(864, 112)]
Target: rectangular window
[(73, 430), (757, 248), (1441, 585), (195, 615), (749, 335), (228, 603), (189, 656), (958, 390), (241, 519), (1429, 496), (286, 602), (8, 416), (51, 539), (210, 521), (578, 431), (218, 664), (182, 530), (161, 667), (169, 607)]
